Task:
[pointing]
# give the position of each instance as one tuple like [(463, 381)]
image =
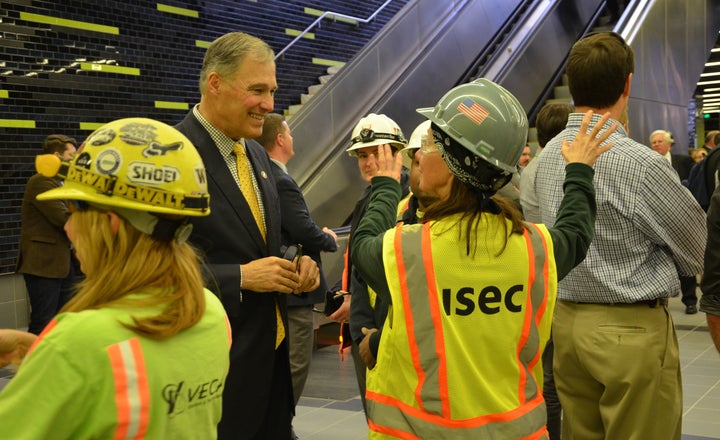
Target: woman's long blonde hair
[(129, 261)]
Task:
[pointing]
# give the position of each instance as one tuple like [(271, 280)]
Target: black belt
[(652, 303)]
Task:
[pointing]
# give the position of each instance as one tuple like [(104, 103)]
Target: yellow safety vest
[(460, 353)]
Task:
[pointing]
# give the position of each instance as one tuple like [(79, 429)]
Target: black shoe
[(691, 309)]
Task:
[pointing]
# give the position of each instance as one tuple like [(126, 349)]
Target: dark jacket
[(44, 246), (299, 228), (227, 238)]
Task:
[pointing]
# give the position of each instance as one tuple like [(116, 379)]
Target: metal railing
[(334, 15)]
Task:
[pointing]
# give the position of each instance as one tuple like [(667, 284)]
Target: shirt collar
[(222, 141)]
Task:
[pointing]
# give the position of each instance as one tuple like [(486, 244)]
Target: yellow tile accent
[(294, 33), (17, 123), (84, 25), (91, 126), (203, 44), (179, 11), (4, 94), (323, 62), (317, 13), (172, 105), (110, 69)]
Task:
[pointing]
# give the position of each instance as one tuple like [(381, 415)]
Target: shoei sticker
[(150, 174)]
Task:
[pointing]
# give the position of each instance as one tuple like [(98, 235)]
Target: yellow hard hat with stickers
[(135, 163)]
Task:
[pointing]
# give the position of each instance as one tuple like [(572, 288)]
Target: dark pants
[(688, 287), (552, 402), (47, 297)]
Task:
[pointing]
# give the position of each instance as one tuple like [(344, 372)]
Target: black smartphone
[(293, 252)]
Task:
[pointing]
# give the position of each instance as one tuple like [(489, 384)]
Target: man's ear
[(626, 91), (114, 221), (213, 82)]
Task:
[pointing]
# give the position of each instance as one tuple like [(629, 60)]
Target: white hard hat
[(374, 130)]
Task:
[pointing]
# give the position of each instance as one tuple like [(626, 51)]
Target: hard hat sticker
[(474, 111), (158, 149), (101, 137), (108, 161), (136, 133), (83, 160), (150, 174)]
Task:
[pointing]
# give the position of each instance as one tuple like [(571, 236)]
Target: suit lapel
[(219, 176)]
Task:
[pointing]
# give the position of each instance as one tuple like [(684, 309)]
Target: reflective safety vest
[(460, 353)]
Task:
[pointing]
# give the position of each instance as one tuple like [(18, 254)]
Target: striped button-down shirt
[(649, 228)]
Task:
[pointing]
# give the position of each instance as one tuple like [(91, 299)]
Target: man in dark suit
[(297, 228), (241, 238), (45, 257), (661, 141)]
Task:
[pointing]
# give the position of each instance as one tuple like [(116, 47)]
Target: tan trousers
[(617, 372)]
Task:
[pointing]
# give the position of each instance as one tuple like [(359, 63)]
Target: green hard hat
[(484, 118)]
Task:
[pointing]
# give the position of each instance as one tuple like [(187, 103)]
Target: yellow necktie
[(246, 185), (248, 190)]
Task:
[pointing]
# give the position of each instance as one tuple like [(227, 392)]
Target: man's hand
[(309, 275), (586, 147), (14, 345), (270, 274), (330, 232), (364, 347), (343, 313)]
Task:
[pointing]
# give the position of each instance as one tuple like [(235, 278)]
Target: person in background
[(44, 256), (698, 154), (710, 283), (298, 227), (616, 360), (710, 140), (142, 349), (524, 158), (550, 121), (661, 142), (362, 308), (472, 287), (241, 239), (410, 211)]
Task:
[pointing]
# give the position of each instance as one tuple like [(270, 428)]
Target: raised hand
[(389, 165), (587, 147)]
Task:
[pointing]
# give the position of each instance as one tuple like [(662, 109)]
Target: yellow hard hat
[(135, 164)]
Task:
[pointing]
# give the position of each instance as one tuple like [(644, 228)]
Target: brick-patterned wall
[(69, 66)]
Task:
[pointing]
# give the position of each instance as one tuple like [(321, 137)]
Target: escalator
[(431, 46)]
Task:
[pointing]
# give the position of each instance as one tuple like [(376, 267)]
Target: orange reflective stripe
[(51, 325), (436, 318), (409, 320), (132, 396), (474, 422), (346, 273), (545, 275), (392, 431), (527, 321), (229, 328)]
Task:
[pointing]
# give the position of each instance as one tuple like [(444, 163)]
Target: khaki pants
[(617, 371)]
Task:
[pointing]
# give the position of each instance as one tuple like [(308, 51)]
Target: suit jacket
[(682, 165), (229, 237), (299, 228), (44, 246)]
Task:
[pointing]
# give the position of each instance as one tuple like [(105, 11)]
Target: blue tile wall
[(41, 79)]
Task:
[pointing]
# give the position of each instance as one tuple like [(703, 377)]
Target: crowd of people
[(486, 294)]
